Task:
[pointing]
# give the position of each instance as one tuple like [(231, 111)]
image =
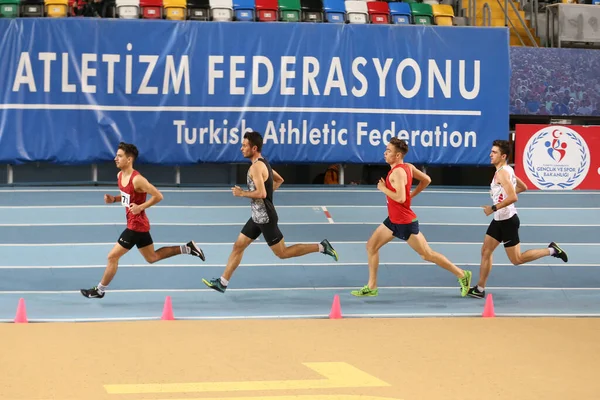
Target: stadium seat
[(198, 10), (400, 13), (56, 8), (32, 8), (244, 10), (9, 8), (289, 10), (335, 11), (421, 13), (109, 9), (151, 9), (357, 12), (267, 10), (443, 14), (175, 9), (459, 21), (221, 10), (128, 9), (312, 10), (379, 12)]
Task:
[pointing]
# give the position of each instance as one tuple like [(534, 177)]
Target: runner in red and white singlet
[(402, 222), (134, 189), (504, 227)]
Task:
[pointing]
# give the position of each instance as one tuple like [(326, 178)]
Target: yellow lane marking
[(337, 375)]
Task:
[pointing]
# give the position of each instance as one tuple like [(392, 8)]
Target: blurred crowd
[(555, 81)]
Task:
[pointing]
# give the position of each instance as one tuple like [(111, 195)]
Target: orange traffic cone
[(167, 314), (488, 309), (21, 316), (336, 309)]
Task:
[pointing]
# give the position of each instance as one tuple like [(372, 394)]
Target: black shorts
[(402, 231), (270, 231), (130, 238), (506, 231)]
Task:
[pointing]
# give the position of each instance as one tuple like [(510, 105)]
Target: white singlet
[(498, 194)]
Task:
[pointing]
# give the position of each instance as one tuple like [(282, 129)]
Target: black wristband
[(494, 209)]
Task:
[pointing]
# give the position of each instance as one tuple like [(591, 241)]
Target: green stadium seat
[(289, 10), (422, 13), (9, 8)]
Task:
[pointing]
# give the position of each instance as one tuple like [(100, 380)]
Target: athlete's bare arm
[(521, 186), (511, 196), (398, 181), (141, 185), (277, 180), (422, 177), (259, 174), (112, 199)]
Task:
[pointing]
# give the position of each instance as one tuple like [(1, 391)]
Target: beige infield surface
[(349, 359)]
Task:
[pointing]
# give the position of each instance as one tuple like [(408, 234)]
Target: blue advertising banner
[(185, 92)]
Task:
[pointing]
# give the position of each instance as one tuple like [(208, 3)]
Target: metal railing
[(471, 14), (487, 11), (523, 24)]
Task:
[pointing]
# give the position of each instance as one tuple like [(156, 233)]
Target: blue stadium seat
[(335, 11), (244, 10), (400, 13)]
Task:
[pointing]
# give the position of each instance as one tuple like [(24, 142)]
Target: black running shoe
[(195, 250), (559, 253), (92, 293), (474, 292)]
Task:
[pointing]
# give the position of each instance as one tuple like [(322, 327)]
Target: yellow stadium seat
[(56, 8), (442, 14), (175, 9)]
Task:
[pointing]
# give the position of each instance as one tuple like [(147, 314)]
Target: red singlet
[(139, 222), (400, 213)]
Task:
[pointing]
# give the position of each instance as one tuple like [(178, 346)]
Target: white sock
[(185, 249), (224, 281), (321, 248), (481, 289), (102, 288), (552, 250)]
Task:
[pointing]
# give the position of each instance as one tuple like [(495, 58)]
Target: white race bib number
[(125, 199)]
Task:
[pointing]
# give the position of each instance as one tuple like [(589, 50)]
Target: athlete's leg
[(145, 245), (240, 245), (378, 239), (152, 256), (274, 239), (517, 258), (282, 251), (381, 236), (112, 265), (487, 250), (249, 233), (124, 244), (419, 244)]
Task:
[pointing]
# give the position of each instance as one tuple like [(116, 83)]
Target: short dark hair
[(503, 146), (129, 150), (255, 139), (400, 145)]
